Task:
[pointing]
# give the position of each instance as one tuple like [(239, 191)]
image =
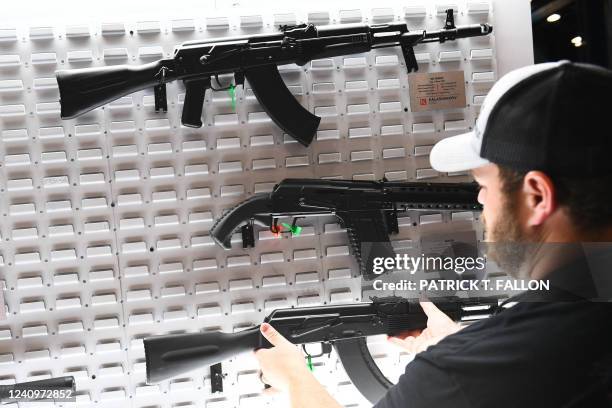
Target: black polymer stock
[(345, 327), (253, 57), (367, 209)]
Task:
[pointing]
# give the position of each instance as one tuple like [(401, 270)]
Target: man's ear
[(539, 197)]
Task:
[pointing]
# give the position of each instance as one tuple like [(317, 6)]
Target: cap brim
[(457, 153)]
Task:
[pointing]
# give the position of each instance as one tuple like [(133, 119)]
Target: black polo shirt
[(534, 354)]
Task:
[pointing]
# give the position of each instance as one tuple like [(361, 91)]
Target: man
[(540, 153)]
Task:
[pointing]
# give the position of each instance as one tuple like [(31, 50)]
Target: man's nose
[(480, 198)]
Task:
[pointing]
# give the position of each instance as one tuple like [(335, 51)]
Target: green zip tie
[(309, 362), (232, 93), (295, 229)]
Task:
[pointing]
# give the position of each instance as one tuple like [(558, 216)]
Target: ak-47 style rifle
[(253, 57), (345, 327), (367, 209)]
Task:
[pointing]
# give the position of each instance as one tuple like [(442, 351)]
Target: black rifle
[(343, 326), (255, 57), (367, 209)]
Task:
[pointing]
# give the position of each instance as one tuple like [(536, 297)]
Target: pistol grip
[(410, 59), (195, 89)]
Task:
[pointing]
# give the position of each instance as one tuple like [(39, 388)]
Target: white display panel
[(104, 219)]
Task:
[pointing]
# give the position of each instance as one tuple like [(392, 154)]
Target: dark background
[(589, 19)]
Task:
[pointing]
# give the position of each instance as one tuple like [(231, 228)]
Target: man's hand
[(283, 364), (439, 326)]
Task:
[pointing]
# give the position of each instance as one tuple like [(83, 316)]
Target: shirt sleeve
[(424, 385)]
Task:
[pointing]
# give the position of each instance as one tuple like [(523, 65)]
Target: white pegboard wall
[(104, 219)]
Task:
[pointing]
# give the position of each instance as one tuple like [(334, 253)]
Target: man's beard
[(508, 245)]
